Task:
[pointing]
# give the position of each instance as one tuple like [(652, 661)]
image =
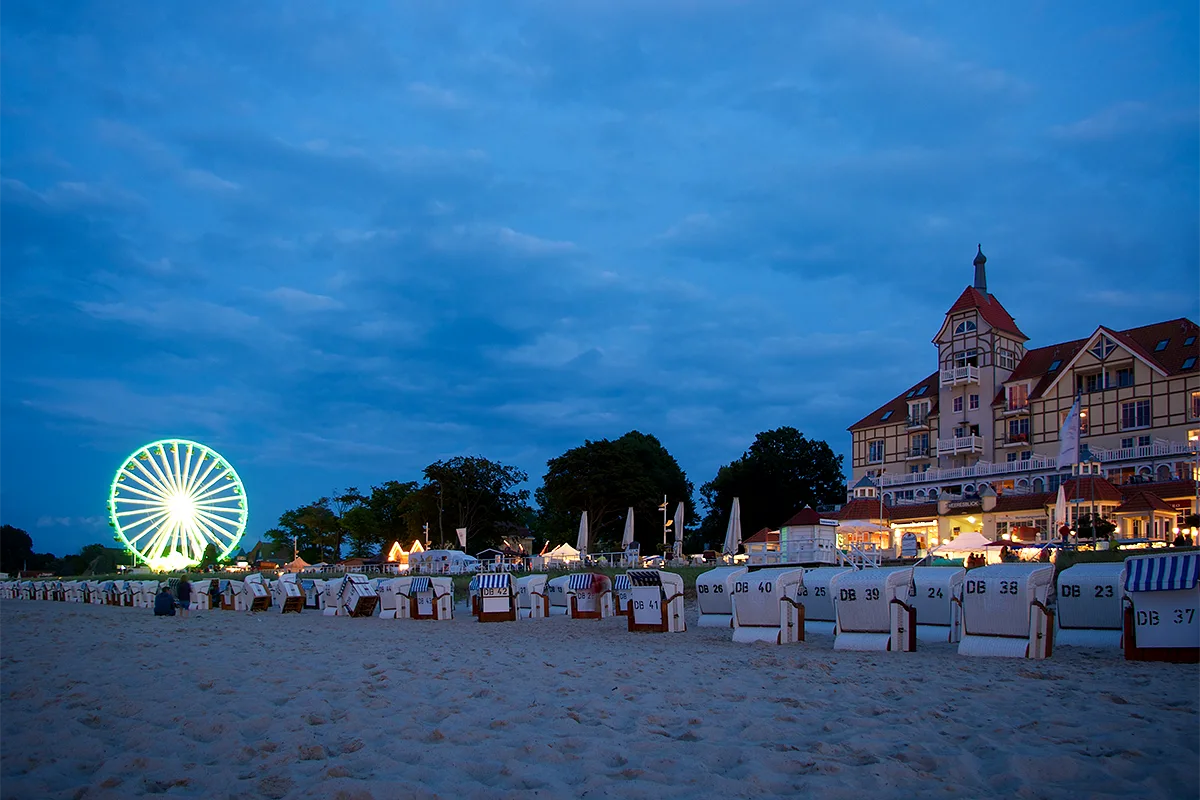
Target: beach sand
[(104, 702)]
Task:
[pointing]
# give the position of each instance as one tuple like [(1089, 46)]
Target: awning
[(581, 581), (621, 583), (493, 580), (1162, 573), (419, 584)]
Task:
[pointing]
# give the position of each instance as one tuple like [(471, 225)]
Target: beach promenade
[(110, 702)]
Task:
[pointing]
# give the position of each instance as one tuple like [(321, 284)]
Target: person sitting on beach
[(184, 593), (164, 603)]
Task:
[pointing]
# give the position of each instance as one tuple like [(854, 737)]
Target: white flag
[(462, 537), (1068, 438)]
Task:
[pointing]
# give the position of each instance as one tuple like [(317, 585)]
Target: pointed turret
[(981, 270)]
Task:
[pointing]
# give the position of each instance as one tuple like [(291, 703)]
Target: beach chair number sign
[(646, 599), (716, 588)]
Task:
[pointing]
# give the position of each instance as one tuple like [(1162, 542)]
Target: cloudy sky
[(340, 241)]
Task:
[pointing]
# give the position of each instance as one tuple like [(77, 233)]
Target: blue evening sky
[(338, 241)]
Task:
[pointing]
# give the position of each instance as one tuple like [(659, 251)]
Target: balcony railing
[(960, 444), (1016, 408), (917, 452), (918, 421), (1015, 439), (956, 375), (1038, 463)]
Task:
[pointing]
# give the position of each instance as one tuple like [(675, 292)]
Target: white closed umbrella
[(679, 530), (627, 539), (733, 531), (581, 543), (1060, 511)]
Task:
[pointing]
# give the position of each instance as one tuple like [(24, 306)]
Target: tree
[(780, 473), (362, 529), (605, 478), (1093, 526), (477, 494), (16, 546), (387, 503)]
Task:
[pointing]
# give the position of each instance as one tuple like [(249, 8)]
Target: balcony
[(960, 375), (1015, 440), (960, 444), (917, 452), (1016, 408), (918, 421)]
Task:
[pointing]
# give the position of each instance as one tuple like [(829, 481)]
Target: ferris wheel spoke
[(199, 477), (228, 517), (206, 490), (158, 468), (194, 473), (154, 474), (149, 516), (224, 507), (217, 520), (187, 467), (150, 481), (133, 501), (178, 473), (157, 542), (199, 541)]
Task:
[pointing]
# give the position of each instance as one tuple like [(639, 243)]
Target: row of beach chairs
[(1149, 605)]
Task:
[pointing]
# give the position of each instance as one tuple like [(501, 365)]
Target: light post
[(663, 508)]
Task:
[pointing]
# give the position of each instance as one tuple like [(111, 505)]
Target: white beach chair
[(389, 600), (874, 611), (656, 602), (314, 593), (820, 615), (1162, 611), (766, 607), (496, 597), (351, 596), (425, 597), (255, 594), (531, 597), (556, 592), (287, 595), (1006, 611), (589, 595), (714, 598), (938, 601), (1089, 610), (622, 593)]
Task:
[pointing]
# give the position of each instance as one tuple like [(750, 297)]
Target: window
[(1135, 414), (1005, 359), (974, 401), (1018, 430), (1085, 384), (1158, 348), (1195, 405), (1120, 378), (1103, 347), (1026, 455), (966, 326), (1083, 420), (967, 358), (914, 469), (921, 391), (919, 445), (1055, 365), (886, 416), (1018, 396), (1189, 341), (875, 451), (958, 405), (1127, 443), (1012, 458), (911, 392), (1143, 441), (1189, 362)]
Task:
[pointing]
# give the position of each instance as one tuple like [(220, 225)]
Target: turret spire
[(981, 270)]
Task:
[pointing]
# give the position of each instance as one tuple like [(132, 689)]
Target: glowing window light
[(171, 499)]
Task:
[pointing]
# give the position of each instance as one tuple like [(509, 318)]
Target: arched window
[(1164, 473), (933, 494), (921, 493), (966, 326), (1022, 484), (1039, 485)]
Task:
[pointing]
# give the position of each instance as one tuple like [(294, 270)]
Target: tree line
[(781, 472)]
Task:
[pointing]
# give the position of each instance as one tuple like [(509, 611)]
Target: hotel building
[(974, 445)]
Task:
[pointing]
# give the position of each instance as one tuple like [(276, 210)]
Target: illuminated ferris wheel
[(173, 498)]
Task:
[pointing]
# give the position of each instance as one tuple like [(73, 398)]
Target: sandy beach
[(105, 702)]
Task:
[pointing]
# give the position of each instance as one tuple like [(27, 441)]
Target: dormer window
[(1057, 363), (1104, 346), (966, 326), (1189, 341), (1161, 345), (911, 392), (921, 391)]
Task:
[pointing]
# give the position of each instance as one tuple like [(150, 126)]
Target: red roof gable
[(1023, 502), (863, 508), (1090, 488), (914, 511), (898, 405), (805, 516), (1165, 490), (1175, 332), (989, 308), (1142, 501), (765, 535)]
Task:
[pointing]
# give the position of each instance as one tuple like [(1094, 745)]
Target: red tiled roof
[(863, 508), (899, 405), (1023, 502), (765, 535), (805, 516), (912, 512), (1165, 490), (1141, 502), (1036, 363), (1175, 332), (989, 308), (1091, 488)]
